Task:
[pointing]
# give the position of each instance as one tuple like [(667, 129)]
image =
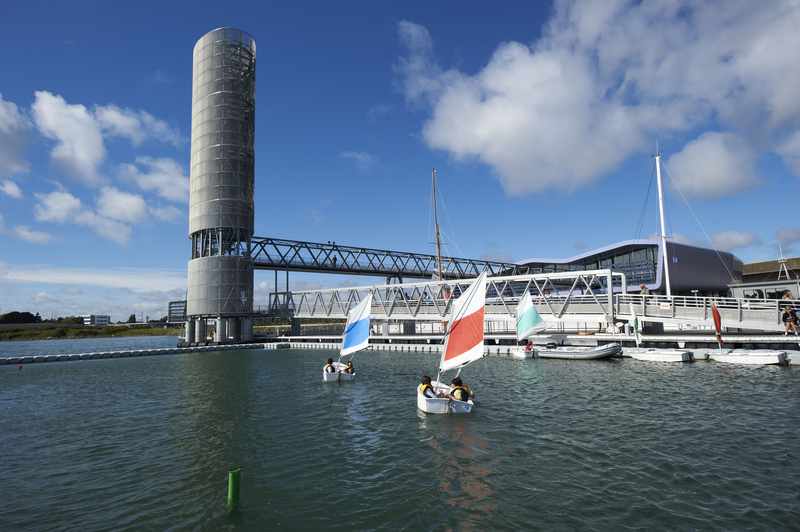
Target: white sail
[(356, 330), (464, 341), (529, 322)]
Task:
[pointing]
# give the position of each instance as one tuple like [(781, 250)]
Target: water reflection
[(460, 464)]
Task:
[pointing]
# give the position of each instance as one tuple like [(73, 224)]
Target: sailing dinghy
[(581, 353), (355, 338), (751, 357), (529, 322), (463, 345), (654, 354)]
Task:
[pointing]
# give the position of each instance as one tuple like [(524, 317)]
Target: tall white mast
[(665, 255), (436, 230)]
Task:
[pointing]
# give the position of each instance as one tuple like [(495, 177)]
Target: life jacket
[(349, 369), (329, 368), (460, 393), (423, 387)]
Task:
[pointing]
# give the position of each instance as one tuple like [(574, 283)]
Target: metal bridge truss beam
[(433, 300), (296, 255)]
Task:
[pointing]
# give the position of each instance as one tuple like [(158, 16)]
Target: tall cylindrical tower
[(220, 281)]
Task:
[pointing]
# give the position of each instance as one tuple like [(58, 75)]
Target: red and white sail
[(464, 342)]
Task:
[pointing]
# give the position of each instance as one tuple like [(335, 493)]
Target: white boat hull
[(438, 405), (339, 375), (520, 353), (581, 353), (660, 355), (755, 357)]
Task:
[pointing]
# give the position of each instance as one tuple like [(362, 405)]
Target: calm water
[(145, 443), (84, 345)]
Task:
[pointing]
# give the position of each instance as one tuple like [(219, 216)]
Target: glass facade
[(638, 263)]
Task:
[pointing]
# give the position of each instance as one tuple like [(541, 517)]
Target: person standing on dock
[(789, 318)]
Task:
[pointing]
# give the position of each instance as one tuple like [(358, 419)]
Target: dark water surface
[(145, 444), (83, 345)]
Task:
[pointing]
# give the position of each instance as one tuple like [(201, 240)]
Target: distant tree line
[(20, 317), (15, 317)]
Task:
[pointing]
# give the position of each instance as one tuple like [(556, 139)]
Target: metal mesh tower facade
[(220, 280)]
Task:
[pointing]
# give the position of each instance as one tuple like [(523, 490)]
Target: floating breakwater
[(127, 353)]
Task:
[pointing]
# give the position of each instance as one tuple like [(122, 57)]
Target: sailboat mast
[(665, 254), (439, 276), (782, 261)]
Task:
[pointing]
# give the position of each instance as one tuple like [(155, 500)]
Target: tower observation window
[(220, 241)]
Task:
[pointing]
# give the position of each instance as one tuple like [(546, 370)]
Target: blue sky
[(541, 120)]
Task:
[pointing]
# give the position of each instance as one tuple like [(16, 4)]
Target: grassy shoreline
[(66, 332)]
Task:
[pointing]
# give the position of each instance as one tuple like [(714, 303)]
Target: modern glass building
[(708, 271)]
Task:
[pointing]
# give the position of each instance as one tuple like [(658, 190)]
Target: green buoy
[(233, 489)]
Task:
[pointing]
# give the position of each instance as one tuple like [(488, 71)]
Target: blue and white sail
[(528, 319), (356, 331)]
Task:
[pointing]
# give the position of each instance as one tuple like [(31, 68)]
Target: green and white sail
[(528, 319)]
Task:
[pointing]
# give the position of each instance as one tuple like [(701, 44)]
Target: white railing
[(735, 312), (578, 296), (558, 295)]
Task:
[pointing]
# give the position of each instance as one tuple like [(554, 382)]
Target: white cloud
[(79, 146), (122, 206), (35, 237), (790, 151), (712, 166), (137, 126), (62, 207), (137, 280), (108, 228), (22, 232), (162, 175), (14, 127), (732, 240), (605, 80), (166, 213), (56, 206), (788, 235), (9, 188), (363, 160)]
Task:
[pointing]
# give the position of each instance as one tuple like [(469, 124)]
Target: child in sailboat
[(349, 368), (329, 367), (459, 391), (427, 389)]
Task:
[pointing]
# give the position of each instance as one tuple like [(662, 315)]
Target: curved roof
[(586, 254)]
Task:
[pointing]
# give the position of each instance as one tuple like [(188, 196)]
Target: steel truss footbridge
[(299, 256), (595, 297)]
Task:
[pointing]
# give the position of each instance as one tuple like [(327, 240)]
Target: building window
[(220, 242)]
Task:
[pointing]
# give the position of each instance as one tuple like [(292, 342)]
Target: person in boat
[(459, 391), (529, 346), (329, 367), (349, 367), (426, 388)]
